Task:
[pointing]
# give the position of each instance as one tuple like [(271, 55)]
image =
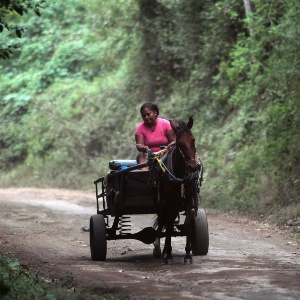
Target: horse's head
[(185, 143)]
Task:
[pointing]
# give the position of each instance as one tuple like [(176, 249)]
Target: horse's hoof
[(168, 261), (188, 261)]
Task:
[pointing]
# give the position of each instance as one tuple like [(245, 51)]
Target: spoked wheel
[(98, 243), (200, 238)]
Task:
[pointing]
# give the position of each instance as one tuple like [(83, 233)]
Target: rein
[(172, 175)]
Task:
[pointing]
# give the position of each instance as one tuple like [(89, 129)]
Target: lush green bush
[(15, 283), (71, 97), (262, 77)]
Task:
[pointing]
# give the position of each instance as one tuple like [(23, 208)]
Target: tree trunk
[(248, 10), (247, 7), (148, 15)]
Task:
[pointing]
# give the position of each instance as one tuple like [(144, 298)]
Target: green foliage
[(236, 75), (15, 283), (68, 51), (262, 78), (19, 7)]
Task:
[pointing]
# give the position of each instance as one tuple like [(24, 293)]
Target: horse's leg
[(167, 252), (156, 249), (172, 203), (188, 260), (159, 208)]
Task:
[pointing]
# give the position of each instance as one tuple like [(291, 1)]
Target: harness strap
[(174, 177), (161, 164), (158, 157)]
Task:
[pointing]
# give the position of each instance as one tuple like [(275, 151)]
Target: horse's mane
[(181, 128)]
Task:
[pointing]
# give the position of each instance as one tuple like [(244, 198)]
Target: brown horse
[(177, 191)]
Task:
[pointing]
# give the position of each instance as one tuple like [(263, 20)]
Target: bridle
[(196, 158), (187, 161), (187, 175)]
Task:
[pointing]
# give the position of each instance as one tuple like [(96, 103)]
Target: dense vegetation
[(70, 97), (17, 283)]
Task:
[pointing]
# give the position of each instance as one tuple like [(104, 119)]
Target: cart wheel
[(200, 238), (98, 243)]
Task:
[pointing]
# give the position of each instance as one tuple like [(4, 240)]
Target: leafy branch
[(20, 7)]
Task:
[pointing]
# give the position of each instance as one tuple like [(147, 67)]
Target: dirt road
[(246, 260)]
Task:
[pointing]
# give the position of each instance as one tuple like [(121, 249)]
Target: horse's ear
[(173, 125), (190, 123)]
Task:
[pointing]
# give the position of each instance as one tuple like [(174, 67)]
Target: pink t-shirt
[(155, 139)]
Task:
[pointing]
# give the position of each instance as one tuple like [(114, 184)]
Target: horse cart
[(125, 191), (170, 187)]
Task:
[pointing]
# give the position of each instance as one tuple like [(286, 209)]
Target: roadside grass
[(260, 207), (16, 283)]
